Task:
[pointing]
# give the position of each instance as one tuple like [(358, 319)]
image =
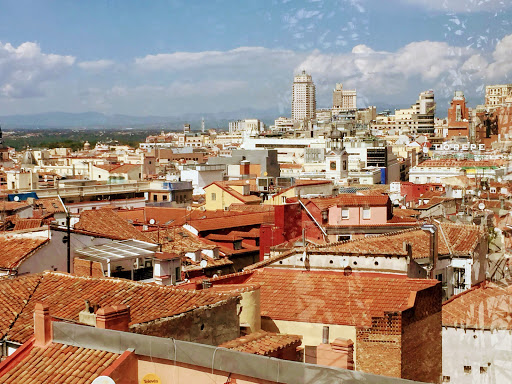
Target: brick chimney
[(340, 354), (42, 325), (116, 317)]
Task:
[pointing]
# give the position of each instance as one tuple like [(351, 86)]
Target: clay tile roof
[(333, 297), (350, 200), (454, 239), (462, 163), (65, 294), (21, 224), (50, 205), (263, 343), (107, 223), (178, 240), (117, 168), (13, 205), (233, 220), (14, 250), (485, 306), (461, 240), (59, 363), (87, 268)]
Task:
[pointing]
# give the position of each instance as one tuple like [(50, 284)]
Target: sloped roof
[(65, 294), (118, 168), (333, 297), (455, 239), (262, 342), (486, 306), (107, 223), (178, 240), (243, 198), (233, 220), (14, 250), (59, 363)]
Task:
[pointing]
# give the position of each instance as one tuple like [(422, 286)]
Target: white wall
[(477, 349)]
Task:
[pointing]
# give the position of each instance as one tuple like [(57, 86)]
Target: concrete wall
[(311, 332), (211, 325), (170, 373), (488, 354)]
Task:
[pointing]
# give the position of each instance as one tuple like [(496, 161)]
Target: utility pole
[(68, 238)]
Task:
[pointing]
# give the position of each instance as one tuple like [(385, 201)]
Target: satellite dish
[(499, 179), (151, 221), (425, 149), (203, 263), (215, 275), (16, 198), (481, 206), (103, 380)]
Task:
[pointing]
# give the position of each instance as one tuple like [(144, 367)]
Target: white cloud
[(461, 6), (24, 69), (97, 65), (242, 56)]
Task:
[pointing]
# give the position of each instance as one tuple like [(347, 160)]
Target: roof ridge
[(40, 279)]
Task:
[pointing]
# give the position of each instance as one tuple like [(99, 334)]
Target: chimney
[(431, 229), (340, 354), (42, 325), (325, 335), (116, 317), (245, 169)]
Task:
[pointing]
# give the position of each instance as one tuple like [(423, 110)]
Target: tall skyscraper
[(343, 100), (303, 97)]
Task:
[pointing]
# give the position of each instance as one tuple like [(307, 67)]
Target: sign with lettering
[(460, 147), (151, 378)]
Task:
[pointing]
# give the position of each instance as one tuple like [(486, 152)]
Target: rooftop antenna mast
[(202, 124)]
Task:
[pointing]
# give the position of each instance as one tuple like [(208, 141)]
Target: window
[(332, 166), (214, 196), (283, 199), (446, 379), (344, 213), (483, 369), (467, 369), (155, 198), (177, 273), (164, 197), (366, 213), (344, 237)]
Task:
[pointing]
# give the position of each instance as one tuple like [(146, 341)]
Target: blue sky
[(169, 57)]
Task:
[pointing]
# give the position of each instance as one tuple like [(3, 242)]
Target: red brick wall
[(378, 348), (406, 345), (421, 337)]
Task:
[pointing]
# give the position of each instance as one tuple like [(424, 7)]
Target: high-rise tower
[(303, 97)]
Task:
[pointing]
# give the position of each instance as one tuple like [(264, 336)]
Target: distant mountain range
[(98, 120), (54, 120)]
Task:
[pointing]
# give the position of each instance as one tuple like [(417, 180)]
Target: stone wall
[(211, 325)]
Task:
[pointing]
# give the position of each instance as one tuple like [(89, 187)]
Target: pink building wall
[(378, 215)]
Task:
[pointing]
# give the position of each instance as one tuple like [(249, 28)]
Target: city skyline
[(166, 58)]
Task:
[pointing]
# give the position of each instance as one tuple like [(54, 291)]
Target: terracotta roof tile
[(332, 297), (107, 223), (59, 363), (14, 249), (486, 306), (263, 343), (65, 294), (234, 220), (462, 163), (177, 240)]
